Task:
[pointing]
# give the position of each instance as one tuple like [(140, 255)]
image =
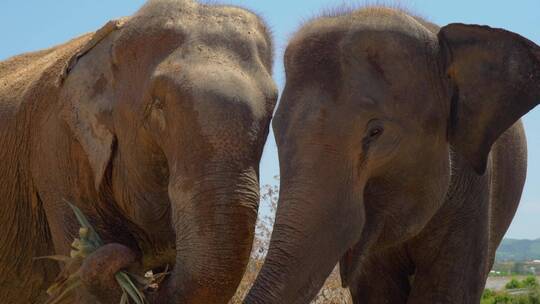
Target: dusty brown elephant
[(402, 157), (154, 126)]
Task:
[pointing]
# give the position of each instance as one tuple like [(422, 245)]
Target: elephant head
[(377, 105), (171, 108)]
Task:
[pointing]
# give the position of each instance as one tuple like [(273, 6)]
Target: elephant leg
[(457, 284), (458, 274), (451, 254), (383, 278), (427, 288), (24, 236)]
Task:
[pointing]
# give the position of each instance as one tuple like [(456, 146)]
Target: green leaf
[(59, 258), (124, 298), (88, 242), (83, 221), (65, 292), (127, 285), (139, 279)]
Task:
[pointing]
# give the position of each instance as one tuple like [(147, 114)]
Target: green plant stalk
[(92, 242)]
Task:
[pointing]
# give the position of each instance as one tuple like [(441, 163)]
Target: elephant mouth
[(348, 262), (156, 262), (352, 259)]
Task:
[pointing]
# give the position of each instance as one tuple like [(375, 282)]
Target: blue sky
[(32, 25)]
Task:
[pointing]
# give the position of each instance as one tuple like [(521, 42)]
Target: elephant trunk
[(214, 218), (318, 218)]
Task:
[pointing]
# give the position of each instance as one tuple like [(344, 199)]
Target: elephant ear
[(87, 97), (495, 76)]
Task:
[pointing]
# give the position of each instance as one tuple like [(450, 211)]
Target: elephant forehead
[(206, 30), (199, 20), (362, 61), (191, 10), (233, 24), (368, 18), (376, 28)]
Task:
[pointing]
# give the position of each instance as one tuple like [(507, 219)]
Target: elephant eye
[(375, 132), (372, 135)]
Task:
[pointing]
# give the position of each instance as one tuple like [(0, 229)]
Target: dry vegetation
[(331, 293)]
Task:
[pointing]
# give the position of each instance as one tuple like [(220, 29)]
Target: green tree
[(530, 282), (513, 284)]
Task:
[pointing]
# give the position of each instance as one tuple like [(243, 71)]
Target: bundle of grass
[(132, 286)]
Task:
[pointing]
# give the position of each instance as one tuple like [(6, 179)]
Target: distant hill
[(518, 250)]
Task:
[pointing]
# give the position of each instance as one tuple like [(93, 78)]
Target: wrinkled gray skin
[(402, 157), (156, 134)]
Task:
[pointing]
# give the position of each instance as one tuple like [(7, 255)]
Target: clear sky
[(27, 25)]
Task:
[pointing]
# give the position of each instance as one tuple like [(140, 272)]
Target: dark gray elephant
[(402, 157), (154, 126)]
